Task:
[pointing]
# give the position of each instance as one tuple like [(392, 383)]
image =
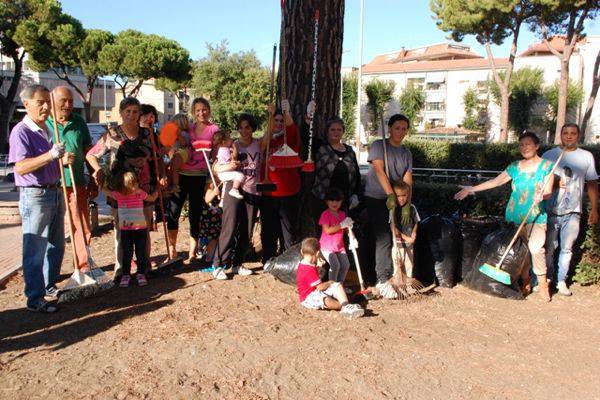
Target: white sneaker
[(387, 290), (352, 311), (242, 271), (219, 274), (236, 193), (563, 288)]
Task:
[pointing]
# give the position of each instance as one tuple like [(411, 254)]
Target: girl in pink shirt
[(132, 226), (334, 222)]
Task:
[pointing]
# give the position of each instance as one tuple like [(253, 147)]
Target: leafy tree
[(526, 88), (412, 101), (349, 97), (68, 47), (379, 94), (492, 22), (587, 271), (135, 57), (235, 83), (18, 20), (563, 18), (471, 103), (575, 95)]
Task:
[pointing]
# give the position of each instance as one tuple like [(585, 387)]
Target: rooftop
[(437, 57)]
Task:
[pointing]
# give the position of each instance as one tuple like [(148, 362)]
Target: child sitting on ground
[(227, 154), (133, 228), (318, 295), (405, 235), (334, 223)]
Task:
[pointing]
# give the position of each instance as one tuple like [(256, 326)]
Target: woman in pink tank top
[(192, 180)]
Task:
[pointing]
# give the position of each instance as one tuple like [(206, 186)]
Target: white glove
[(285, 106), (57, 151), (347, 223), (310, 108), (353, 202)]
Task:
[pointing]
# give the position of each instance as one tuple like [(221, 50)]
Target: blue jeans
[(42, 213), (566, 228)]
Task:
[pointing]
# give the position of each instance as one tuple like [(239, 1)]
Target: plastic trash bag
[(491, 251), (284, 267), (437, 251), (473, 231)]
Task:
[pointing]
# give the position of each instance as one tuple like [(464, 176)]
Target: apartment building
[(446, 70), (103, 96)]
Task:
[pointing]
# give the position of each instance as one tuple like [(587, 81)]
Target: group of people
[(200, 163)]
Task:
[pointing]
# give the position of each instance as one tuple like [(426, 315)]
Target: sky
[(247, 25)]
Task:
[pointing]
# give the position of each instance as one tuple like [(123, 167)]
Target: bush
[(587, 271), (465, 155), (435, 198)]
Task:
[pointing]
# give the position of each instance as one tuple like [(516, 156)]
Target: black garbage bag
[(473, 231), (437, 251), (491, 251), (284, 267)]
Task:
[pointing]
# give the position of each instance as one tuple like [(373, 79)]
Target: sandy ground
[(187, 336)]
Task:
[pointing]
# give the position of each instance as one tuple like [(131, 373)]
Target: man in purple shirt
[(41, 204)]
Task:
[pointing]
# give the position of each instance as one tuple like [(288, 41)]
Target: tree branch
[(546, 42), (68, 80)]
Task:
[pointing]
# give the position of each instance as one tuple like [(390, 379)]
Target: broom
[(285, 157), (309, 165), (493, 270), (206, 146), (172, 263), (353, 246), (80, 285), (266, 185)]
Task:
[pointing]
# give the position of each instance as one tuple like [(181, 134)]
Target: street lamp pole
[(359, 86)]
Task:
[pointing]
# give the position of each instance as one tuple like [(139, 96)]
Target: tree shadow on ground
[(74, 322)]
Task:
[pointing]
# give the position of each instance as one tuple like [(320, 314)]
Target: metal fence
[(440, 175), (4, 168)]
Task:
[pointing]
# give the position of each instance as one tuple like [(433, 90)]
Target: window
[(435, 86), (435, 106), (170, 105), (416, 82)]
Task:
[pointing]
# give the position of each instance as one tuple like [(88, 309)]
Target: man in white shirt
[(576, 169)]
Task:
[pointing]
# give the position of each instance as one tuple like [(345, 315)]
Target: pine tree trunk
[(298, 29), (7, 105), (297, 36), (561, 112), (592, 99), (504, 103)]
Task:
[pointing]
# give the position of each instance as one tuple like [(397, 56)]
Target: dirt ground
[(187, 336)]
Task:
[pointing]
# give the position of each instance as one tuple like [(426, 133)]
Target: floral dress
[(210, 222), (523, 192)]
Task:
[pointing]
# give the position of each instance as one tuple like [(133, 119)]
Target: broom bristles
[(83, 292)]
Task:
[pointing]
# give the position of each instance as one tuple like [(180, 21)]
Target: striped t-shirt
[(131, 210)]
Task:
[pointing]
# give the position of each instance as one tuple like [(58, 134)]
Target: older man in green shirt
[(74, 133)]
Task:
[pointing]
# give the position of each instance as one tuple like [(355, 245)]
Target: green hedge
[(465, 155)]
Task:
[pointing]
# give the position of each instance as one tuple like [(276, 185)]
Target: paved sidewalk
[(10, 235)]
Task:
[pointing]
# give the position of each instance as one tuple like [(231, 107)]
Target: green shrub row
[(465, 155)]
